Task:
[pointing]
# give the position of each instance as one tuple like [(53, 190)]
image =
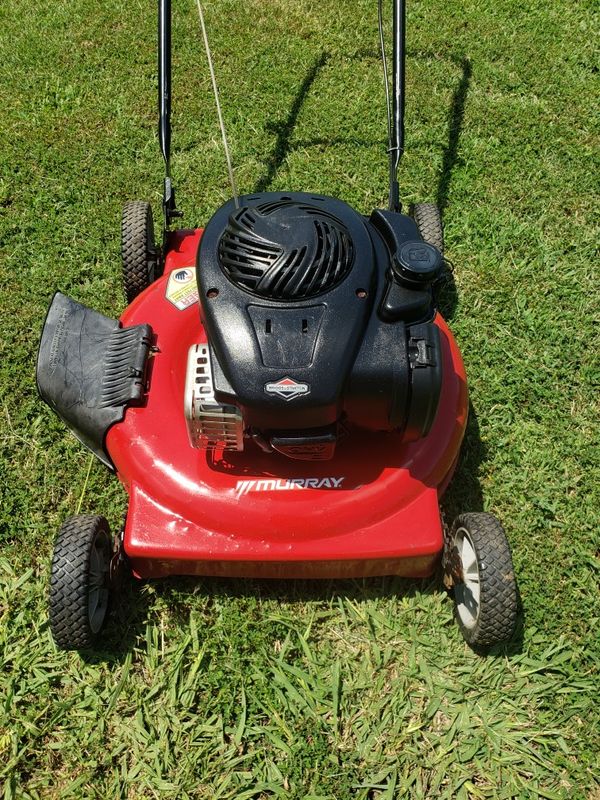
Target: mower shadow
[(456, 116), (464, 492), (126, 627), (446, 294), (465, 495), (284, 130)]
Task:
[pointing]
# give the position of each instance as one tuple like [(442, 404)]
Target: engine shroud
[(316, 317)]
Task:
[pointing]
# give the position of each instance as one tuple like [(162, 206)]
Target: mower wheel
[(140, 256), (79, 582), (479, 565), (429, 222)]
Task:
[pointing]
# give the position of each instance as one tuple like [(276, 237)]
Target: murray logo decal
[(287, 484), (287, 388)]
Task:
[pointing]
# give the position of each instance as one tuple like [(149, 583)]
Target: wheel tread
[(429, 222), (498, 589), (139, 262), (68, 596)]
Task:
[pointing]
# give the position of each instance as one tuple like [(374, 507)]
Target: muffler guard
[(89, 369)]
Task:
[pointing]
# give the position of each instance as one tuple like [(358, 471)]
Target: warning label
[(182, 290)]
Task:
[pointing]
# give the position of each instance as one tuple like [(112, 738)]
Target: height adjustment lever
[(170, 209)]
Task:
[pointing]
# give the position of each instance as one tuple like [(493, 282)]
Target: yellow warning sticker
[(182, 290)]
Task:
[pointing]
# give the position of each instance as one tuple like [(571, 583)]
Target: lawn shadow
[(132, 608), (464, 492), (285, 129), (446, 294), (455, 122), (129, 615)]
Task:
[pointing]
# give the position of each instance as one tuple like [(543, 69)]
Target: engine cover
[(316, 316)]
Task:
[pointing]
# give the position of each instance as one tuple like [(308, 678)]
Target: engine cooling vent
[(284, 250)]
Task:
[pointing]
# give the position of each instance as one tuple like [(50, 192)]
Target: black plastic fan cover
[(285, 250)]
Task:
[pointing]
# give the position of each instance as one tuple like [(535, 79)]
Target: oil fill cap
[(417, 262)]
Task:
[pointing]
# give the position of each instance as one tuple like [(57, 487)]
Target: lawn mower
[(280, 398)]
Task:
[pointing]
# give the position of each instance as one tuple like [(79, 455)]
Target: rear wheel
[(80, 581), (429, 222), (140, 256), (479, 566)]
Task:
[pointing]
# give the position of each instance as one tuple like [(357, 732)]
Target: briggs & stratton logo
[(287, 388), (287, 484)]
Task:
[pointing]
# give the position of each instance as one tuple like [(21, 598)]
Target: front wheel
[(479, 567), (80, 581)]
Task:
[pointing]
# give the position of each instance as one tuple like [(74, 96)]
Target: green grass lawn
[(238, 689)]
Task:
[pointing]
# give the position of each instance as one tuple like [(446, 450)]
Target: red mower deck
[(372, 510)]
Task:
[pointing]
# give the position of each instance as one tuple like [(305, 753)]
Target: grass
[(363, 690)]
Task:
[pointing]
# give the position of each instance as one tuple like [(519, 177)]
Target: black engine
[(317, 319)]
